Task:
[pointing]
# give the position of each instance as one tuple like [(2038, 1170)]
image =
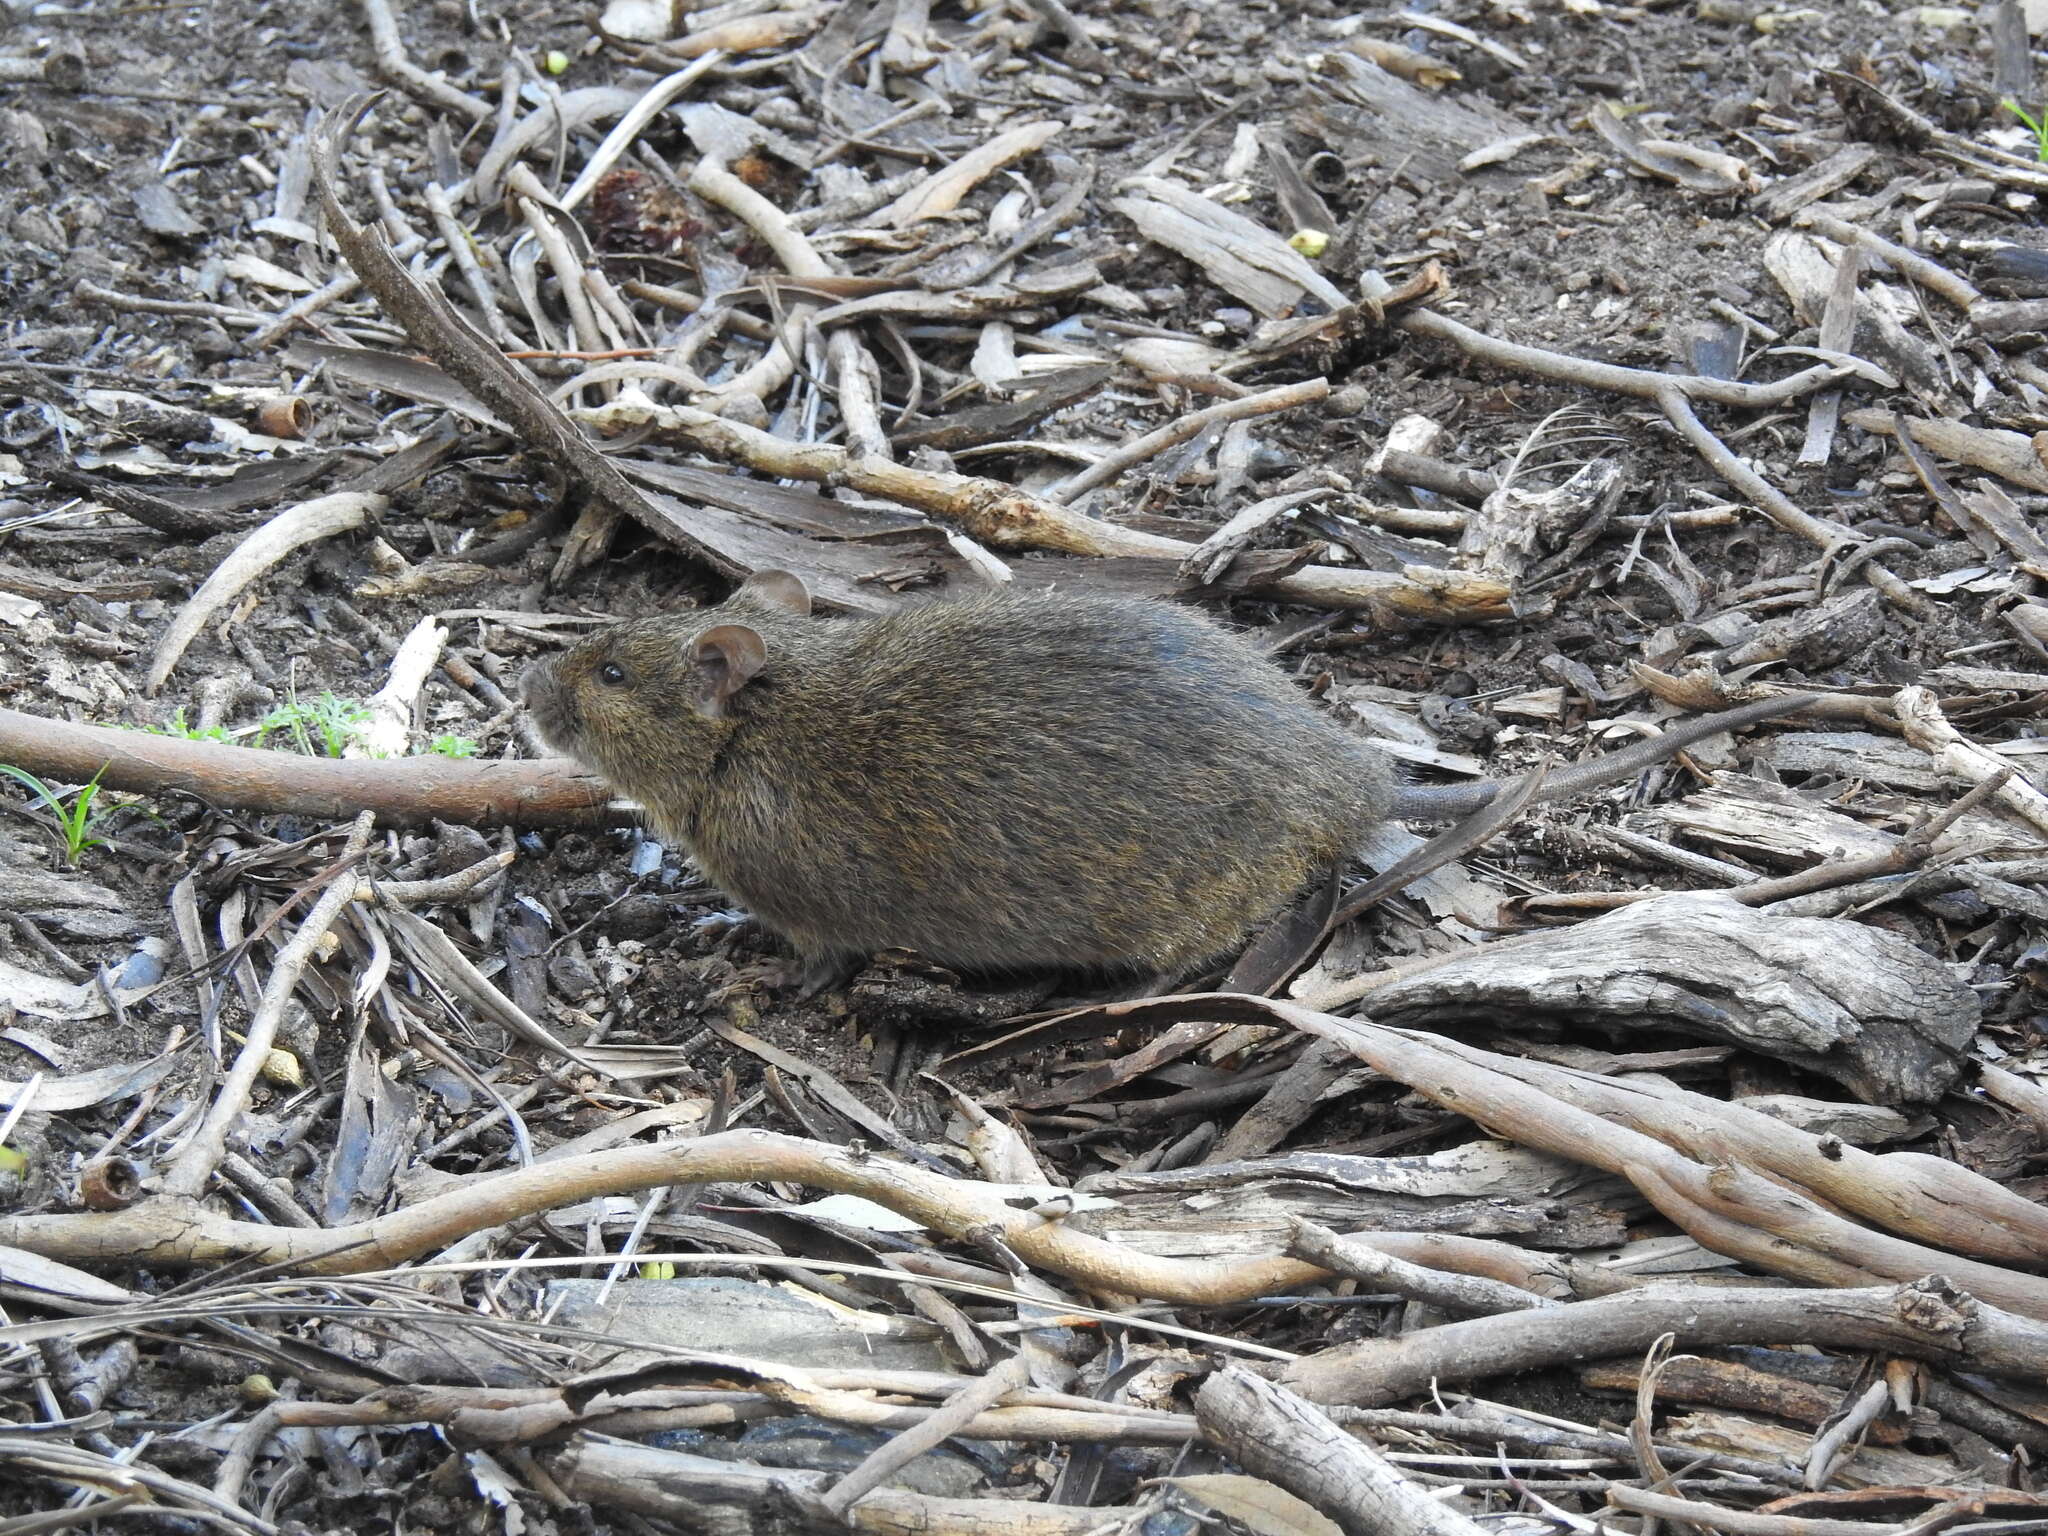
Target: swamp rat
[(1001, 782)]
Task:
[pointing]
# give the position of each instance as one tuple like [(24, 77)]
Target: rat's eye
[(611, 674)]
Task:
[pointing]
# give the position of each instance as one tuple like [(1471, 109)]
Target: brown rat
[(999, 782)]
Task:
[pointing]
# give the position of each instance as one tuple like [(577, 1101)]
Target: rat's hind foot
[(812, 974)]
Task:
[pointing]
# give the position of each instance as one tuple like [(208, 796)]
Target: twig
[(389, 732), (634, 123), (295, 527), (201, 1155), (1461, 1295), (1737, 1522), (943, 1422), (393, 64), (551, 793), (941, 192), (1185, 428), (333, 291), (1928, 274)]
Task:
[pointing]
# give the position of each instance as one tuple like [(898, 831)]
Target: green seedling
[(2037, 126), (321, 728), (73, 810), (185, 732), (452, 746)]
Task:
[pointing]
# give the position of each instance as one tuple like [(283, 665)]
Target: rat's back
[(1017, 781)]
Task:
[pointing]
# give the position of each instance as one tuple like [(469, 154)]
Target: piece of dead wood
[(1988, 516), (1785, 197), (1458, 1295), (1517, 522), (1706, 172), (2013, 456), (1930, 275), (1006, 517), (396, 66), (1927, 1319), (1854, 1003), (941, 193), (1805, 268), (1919, 711), (292, 529), (1243, 258), (1482, 1192), (1272, 1433), (643, 1480), (388, 733), (552, 792)]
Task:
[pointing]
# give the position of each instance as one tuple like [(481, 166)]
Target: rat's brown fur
[(999, 782)]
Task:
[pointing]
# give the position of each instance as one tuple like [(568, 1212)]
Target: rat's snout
[(541, 691)]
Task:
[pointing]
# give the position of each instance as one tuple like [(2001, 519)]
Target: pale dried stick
[(1928, 274), (1927, 728), (1184, 428), (941, 192), (333, 291), (634, 123), (296, 526), (202, 1153), (392, 63), (852, 369), (568, 267), (461, 246), (389, 733)]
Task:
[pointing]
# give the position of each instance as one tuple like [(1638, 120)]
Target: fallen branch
[(1272, 1433), (1675, 394), (1005, 517), (1919, 711), (552, 792), (1927, 1319)]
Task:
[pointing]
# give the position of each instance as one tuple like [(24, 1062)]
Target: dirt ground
[(139, 227)]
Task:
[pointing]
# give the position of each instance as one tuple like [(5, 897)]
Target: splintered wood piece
[(1239, 256), (1804, 266), (1769, 824), (1854, 1003)]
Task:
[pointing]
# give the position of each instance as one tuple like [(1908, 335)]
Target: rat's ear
[(779, 589), (725, 661)]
